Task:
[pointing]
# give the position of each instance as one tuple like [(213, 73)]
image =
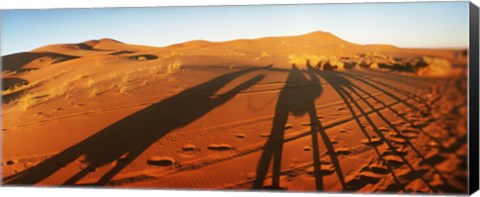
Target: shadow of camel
[(346, 89), (133, 134), (341, 85), (296, 98)]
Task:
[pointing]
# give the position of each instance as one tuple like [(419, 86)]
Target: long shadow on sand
[(341, 85), (347, 90), (135, 133), (355, 89), (296, 98)]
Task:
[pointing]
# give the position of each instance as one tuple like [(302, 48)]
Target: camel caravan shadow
[(133, 134), (397, 141), (297, 98)]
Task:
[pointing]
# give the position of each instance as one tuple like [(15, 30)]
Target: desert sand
[(300, 113)]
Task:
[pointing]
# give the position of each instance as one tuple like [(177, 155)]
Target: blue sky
[(413, 25)]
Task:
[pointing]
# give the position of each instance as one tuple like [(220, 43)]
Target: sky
[(411, 25)]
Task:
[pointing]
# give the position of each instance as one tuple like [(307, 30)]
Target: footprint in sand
[(306, 123), (343, 151), (398, 140), (396, 151), (410, 130), (384, 129), (432, 144), (265, 134), (189, 147), (401, 150), (334, 141), (307, 148), (10, 162), (240, 136), (410, 135), (160, 161), (220, 147), (393, 160), (393, 134), (433, 157), (372, 141), (288, 126), (398, 123), (370, 175), (421, 123), (251, 176), (379, 169)]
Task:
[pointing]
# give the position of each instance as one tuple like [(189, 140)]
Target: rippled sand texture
[(301, 113)]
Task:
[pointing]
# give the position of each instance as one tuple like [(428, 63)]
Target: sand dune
[(301, 113)]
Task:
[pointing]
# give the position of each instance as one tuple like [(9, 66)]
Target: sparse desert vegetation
[(26, 86), (93, 91), (173, 67), (155, 69), (124, 85), (90, 83), (422, 66), (26, 101), (57, 91)]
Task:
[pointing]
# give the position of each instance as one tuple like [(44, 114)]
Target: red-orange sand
[(243, 114)]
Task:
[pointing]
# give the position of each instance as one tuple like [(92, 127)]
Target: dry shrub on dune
[(124, 85), (155, 69), (90, 83), (334, 61), (57, 91), (331, 63), (25, 86), (322, 62), (423, 66), (92, 91), (16, 88), (173, 67), (434, 67), (301, 59), (171, 54), (26, 101), (262, 56)]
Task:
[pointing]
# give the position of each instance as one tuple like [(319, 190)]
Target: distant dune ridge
[(319, 46), (311, 112)]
